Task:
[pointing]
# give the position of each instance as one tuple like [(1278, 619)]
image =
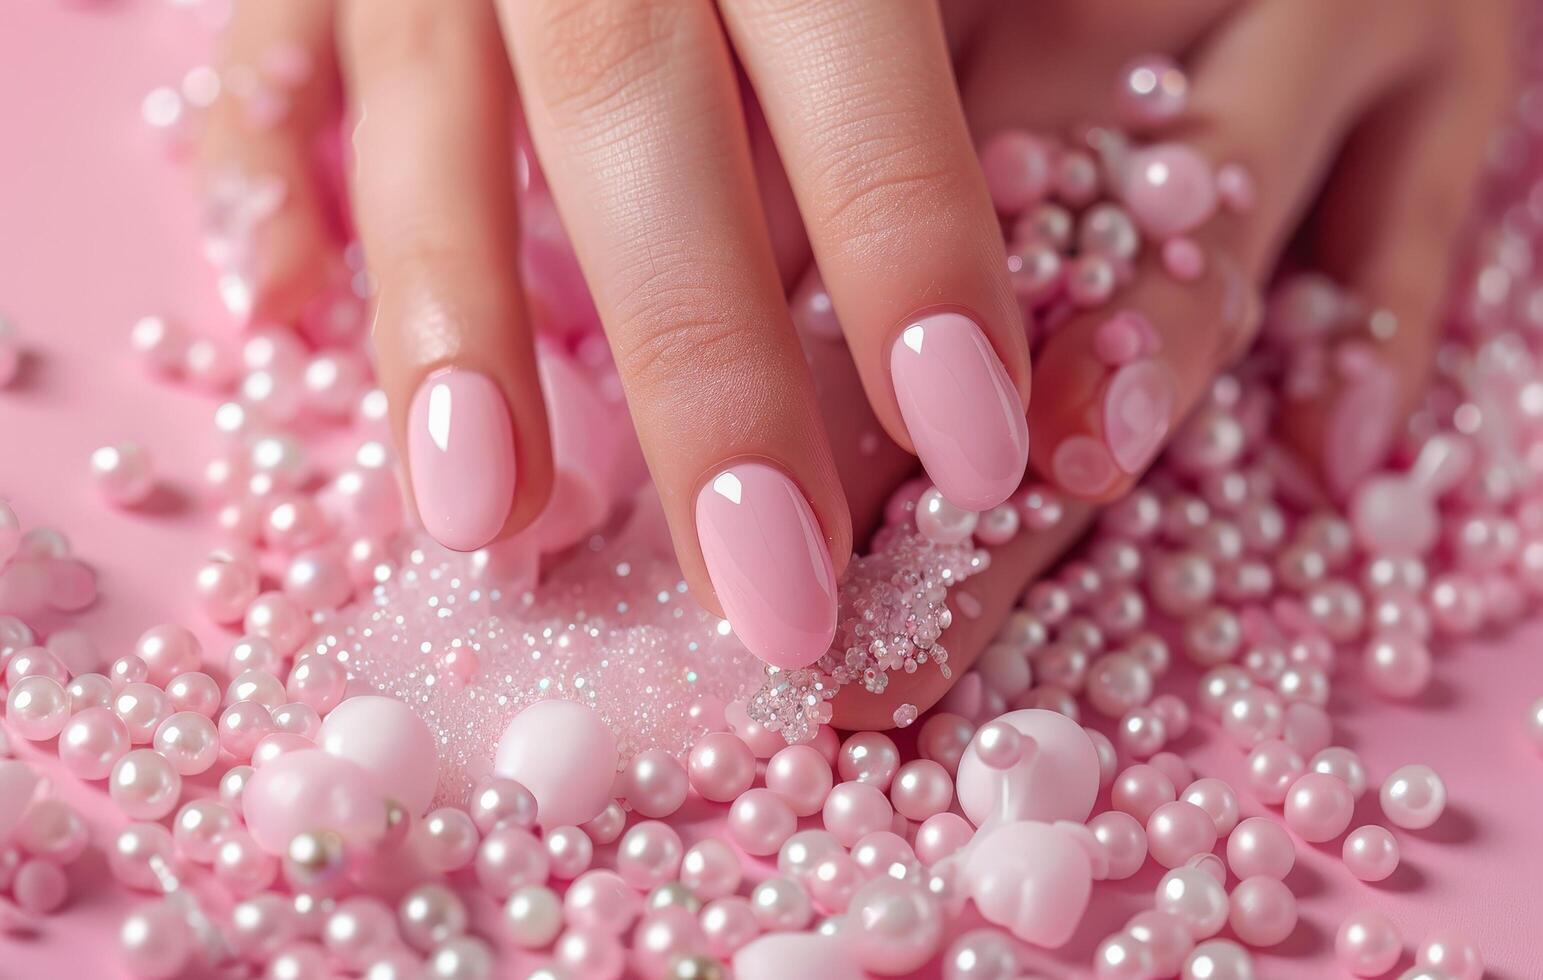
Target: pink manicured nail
[(962, 411), (769, 564), (1138, 409), (1362, 424), (460, 452), (1083, 467)]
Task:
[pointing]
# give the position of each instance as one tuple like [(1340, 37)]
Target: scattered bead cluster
[(332, 798)]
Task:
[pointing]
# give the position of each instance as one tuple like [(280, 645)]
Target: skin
[(694, 210)]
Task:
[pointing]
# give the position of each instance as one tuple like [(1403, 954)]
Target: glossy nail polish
[(962, 411), (768, 563), (460, 452), (1083, 467)]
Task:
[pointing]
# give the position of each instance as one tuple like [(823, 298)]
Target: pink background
[(98, 226)]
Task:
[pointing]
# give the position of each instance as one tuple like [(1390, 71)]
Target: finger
[(269, 225), (1426, 144), (1267, 98), (635, 116), (434, 194), (862, 102)]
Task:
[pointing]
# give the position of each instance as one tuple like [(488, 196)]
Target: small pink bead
[(225, 589), (1178, 831), (1170, 189), (601, 900), (1370, 853), (801, 776), (168, 651), (1367, 944), (1174, 767), (711, 870), (278, 619), (655, 783), (854, 809), (40, 886), (256, 685), (1319, 807), (1397, 665), (254, 653), (896, 927), (759, 821), (189, 741), (92, 741), (1140, 790), (883, 853), (1108, 759), (1260, 846), (940, 836), (1124, 841), (1166, 937), (242, 726), (1196, 898), (142, 706), (1253, 715), (497, 799), (944, 737), (569, 848), (728, 923), (1183, 259), (1343, 764), (241, 865), (1263, 911), (197, 827), (832, 883), (1235, 187), (650, 854), (1153, 91), (193, 691), (721, 766), (510, 858), (663, 935), (278, 743), (317, 682), (447, 839), (1306, 728), (921, 789), (35, 662), (1217, 798), (1451, 953), (318, 579), (590, 954), (1142, 733), (1272, 767), (1413, 797), (1019, 170), (869, 757), (1122, 957)]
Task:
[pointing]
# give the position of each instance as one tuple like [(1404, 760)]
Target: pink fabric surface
[(98, 227)]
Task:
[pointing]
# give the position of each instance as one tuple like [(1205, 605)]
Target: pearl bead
[(590, 954), (721, 766), (37, 708), (869, 757), (448, 839), (194, 691), (89, 690), (510, 858), (233, 785), (728, 923), (921, 789), (1397, 665), (1319, 807), (1272, 767), (253, 653), (278, 619), (241, 865), (760, 820), (189, 742), (601, 900), (893, 927), (167, 651), (569, 849), (139, 854), (1344, 765), (1122, 957), (711, 868), (1413, 797), (942, 522), (262, 925), (650, 854), (1216, 959), (432, 914), (92, 741), (497, 800), (317, 682), (855, 809), (1452, 954), (256, 685), (655, 783), (1195, 897), (242, 726), (123, 473), (1140, 790), (1259, 846), (1263, 911), (359, 928), (1117, 683), (1153, 91), (142, 707), (1124, 842), (1177, 831), (1371, 853), (198, 826), (144, 785), (662, 935), (984, 954), (156, 942), (1165, 936), (1018, 169), (461, 958), (1367, 944), (781, 905), (35, 662), (1217, 799)]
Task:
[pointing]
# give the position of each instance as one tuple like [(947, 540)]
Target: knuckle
[(589, 54)]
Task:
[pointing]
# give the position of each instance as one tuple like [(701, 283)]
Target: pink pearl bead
[(34, 662), (1413, 797), (1140, 790), (869, 757), (318, 682), (297, 719), (1344, 765), (241, 865), (40, 886), (1319, 807), (359, 928), (896, 928), (138, 852), (448, 840), (52, 829), (123, 473), (1174, 767), (193, 691), (189, 741), (1124, 841), (256, 685), (833, 882), (1122, 957), (1142, 733), (1272, 767), (854, 809), (944, 737), (802, 777), (167, 651), (921, 789), (254, 653), (1166, 937), (497, 799), (885, 853), (1153, 91), (1177, 831), (37, 708), (760, 820), (662, 935), (711, 870), (1367, 944), (1217, 799), (649, 855), (728, 923), (278, 619), (1452, 954), (510, 858), (156, 942), (242, 726), (262, 925), (1253, 715), (655, 783), (1117, 683), (590, 955), (1370, 853), (1019, 170), (1259, 846), (198, 827), (1195, 897), (318, 580), (92, 741), (142, 706), (721, 766), (1397, 665), (569, 849), (1306, 728), (1263, 911), (601, 900), (762, 742), (940, 836), (89, 691)]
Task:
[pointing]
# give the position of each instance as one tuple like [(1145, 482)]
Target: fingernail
[(1082, 466), (1138, 409), (460, 452), (961, 409), (1360, 428), (768, 563)]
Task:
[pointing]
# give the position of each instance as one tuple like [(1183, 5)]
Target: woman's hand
[(637, 115), (1364, 127)]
